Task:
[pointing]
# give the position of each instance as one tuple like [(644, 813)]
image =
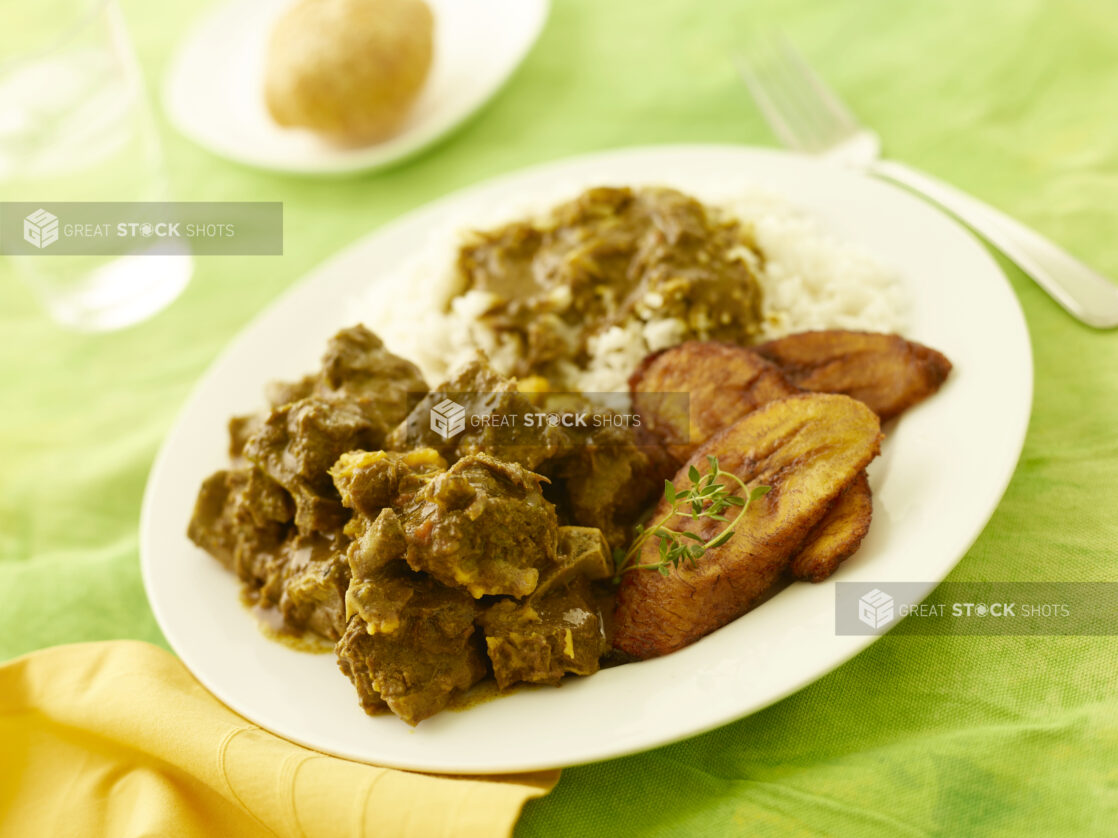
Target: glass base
[(121, 292)]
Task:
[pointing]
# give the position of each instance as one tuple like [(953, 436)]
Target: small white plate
[(943, 470), (214, 92)]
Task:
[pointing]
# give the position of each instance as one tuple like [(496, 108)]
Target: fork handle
[(1083, 292)]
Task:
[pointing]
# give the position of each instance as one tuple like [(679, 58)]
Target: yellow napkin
[(118, 739)]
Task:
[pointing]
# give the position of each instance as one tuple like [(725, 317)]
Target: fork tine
[(786, 100), (803, 112), (773, 113), (800, 104), (826, 96)]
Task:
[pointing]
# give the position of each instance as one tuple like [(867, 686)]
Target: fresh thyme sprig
[(705, 498)]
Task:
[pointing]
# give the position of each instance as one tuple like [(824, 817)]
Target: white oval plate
[(214, 92), (942, 473)]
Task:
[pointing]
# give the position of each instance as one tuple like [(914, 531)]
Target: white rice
[(810, 280)]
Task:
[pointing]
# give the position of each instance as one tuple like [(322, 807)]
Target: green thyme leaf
[(720, 539), (704, 498)]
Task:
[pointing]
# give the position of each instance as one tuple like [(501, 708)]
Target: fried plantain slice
[(885, 371), (807, 448), (837, 535), (724, 382)]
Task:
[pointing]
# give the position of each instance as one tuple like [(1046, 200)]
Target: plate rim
[(852, 644), (367, 161)]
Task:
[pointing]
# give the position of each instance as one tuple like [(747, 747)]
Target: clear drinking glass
[(75, 125)]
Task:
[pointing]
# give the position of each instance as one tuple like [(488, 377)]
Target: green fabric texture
[(1010, 99)]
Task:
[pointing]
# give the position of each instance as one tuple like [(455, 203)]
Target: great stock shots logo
[(40, 228), (448, 418), (141, 228), (976, 608), (875, 609), (553, 419)]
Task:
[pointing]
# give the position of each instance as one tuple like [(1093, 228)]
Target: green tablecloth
[(1013, 100)]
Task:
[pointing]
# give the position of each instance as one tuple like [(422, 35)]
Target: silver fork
[(807, 116)]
